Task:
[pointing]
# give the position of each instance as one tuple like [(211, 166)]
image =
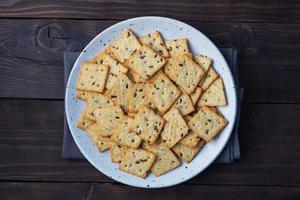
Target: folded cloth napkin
[(229, 153)]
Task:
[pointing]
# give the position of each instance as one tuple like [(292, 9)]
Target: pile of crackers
[(150, 102)]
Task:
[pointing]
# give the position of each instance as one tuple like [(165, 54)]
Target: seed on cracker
[(175, 128), (177, 46), (137, 162), (108, 118), (124, 46), (207, 124), (148, 124), (214, 95), (162, 92), (186, 73), (145, 62), (155, 41), (92, 77)]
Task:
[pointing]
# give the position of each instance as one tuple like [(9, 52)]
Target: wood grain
[(31, 61), (74, 191), (30, 147), (274, 11)]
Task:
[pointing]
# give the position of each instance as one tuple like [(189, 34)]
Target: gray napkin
[(230, 152)]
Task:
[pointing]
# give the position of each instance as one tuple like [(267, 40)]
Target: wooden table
[(33, 36)]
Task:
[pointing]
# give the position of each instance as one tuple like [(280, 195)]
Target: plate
[(199, 44)]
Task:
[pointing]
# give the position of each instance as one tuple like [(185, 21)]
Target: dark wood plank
[(74, 191), (279, 10), (31, 138), (31, 56)]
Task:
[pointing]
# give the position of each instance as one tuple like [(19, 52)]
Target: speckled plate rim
[(136, 181)]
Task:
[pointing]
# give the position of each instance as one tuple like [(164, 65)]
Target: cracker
[(96, 101), (124, 46), (137, 97), (148, 124), (92, 77), (184, 104), (177, 46), (83, 122), (119, 92), (165, 161), (126, 138), (145, 62), (155, 41), (103, 143), (115, 68), (137, 162), (108, 118), (175, 128), (209, 78), (186, 73), (117, 152), (203, 61), (162, 92), (186, 153), (191, 139), (207, 124), (196, 95), (214, 95)]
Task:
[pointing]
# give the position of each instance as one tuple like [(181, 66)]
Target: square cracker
[(209, 78), (155, 41), (115, 68), (117, 152), (162, 92), (165, 161), (196, 95), (92, 77), (148, 124), (186, 153), (177, 46), (203, 61), (137, 97), (126, 138), (145, 62), (186, 73), (137, 162), (184, 104), (119, 92), (124, 46), (214, 95), (207, 124), (96, 101), (83, 122), (108, 118), (175, 128), (103, 143)]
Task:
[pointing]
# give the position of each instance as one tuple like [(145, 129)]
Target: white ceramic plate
[(199, 44)]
